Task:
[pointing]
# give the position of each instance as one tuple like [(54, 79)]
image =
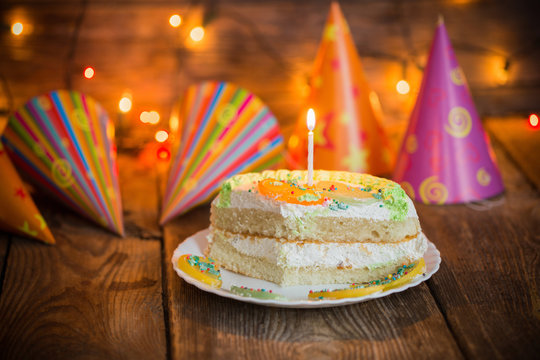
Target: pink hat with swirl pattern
[(445, 156)]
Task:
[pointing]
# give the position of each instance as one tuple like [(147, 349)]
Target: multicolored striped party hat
[(225, 130), (64, 142)]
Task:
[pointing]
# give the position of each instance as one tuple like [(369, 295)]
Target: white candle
[(311, 126)]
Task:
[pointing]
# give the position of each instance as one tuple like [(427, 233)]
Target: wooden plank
[(204, 325), (487, 285), (93, 295), (139, 198), (522, 143), (4, 249)]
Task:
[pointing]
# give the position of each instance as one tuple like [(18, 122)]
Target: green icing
[(308, 197), (225, 195), (256, 293), (336, 205), (395, 199)]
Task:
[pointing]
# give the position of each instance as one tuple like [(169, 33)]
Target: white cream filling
[(307, 254), (242, 199)]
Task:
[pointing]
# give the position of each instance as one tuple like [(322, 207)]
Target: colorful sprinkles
[(201, 268), (403, 275), (343, 186)]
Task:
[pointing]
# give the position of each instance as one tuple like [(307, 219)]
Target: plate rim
[(200, 235)]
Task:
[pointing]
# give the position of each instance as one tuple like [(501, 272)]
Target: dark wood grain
[(4, 246), (404, 325), (488, 282), (93, 294), (522, 143)]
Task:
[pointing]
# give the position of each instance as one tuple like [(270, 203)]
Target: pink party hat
[(446, 157)]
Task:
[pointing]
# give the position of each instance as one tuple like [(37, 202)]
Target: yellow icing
[(198, 272), (411, 274), (373, 286), (345, 293)]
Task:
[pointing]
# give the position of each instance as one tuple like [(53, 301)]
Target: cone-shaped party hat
[(348, 134), (64, 142), (445, 157), (225, 130), (18, 213)]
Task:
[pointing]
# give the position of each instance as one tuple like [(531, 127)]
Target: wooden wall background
[(265, 46)]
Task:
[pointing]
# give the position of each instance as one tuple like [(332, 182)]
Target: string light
[(144, 117), (125, 104), (174, 123), (17, 28), (149, 117), (501, 72), (175, 20), (163, 153), (533, 120), (403, 87), (161, 136), (89, 72), (197, 33)]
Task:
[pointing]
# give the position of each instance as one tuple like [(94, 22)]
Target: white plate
[(297, 296)]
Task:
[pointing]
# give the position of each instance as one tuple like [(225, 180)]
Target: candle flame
[(311, 119)]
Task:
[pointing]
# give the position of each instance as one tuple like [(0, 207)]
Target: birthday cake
[(345, 228)]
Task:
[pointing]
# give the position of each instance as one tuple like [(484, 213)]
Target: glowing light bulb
[(161, 136), (149, 117), (533, 120), (197, 33), (17, 28), (154, 117), (175, 20), (403, 87), (174, 123), (89, 72), (293, 141), (163, 153), (124, 104), (144, 117)]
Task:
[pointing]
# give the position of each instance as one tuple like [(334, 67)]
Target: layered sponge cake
[(345, 228)]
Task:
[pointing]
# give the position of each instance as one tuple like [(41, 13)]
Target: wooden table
[(97, 296)]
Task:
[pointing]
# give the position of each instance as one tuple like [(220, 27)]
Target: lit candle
[(311, 126)]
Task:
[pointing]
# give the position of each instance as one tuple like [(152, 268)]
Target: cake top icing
[(334, 189)]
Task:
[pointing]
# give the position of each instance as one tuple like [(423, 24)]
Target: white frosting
[(304, 254), (368, 209)]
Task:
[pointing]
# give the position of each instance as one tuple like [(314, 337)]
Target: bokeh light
[(197, 33), (163, 153), (149, 117), (161, 136), (174, 123), (89, 72), (403, 87), (17, 28), (124, 104), (533, 120), (175, 20)]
